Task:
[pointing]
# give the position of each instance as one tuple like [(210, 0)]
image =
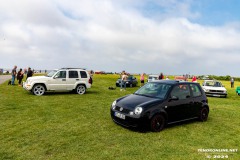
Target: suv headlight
[(138, 110), (114, 104)]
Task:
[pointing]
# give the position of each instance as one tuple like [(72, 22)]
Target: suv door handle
[(63, 79)]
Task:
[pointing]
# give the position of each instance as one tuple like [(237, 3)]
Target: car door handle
[(63, 79)]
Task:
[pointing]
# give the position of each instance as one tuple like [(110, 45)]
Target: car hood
[(38, 78), (214, 88), (133, 100)]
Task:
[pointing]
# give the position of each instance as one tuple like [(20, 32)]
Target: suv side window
[(73, 74), (83, 74), (61, 74), (181, 91), (195, 90)]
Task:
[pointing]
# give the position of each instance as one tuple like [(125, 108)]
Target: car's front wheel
[(203, 116), (38, 89), (81, 89), (157, 123)]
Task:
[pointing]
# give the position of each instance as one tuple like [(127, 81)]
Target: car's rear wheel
[(157, 123), (38, 89), (203, 115), (81, 89)]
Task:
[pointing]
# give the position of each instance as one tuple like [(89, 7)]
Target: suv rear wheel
[(81, 89), (38, 89)]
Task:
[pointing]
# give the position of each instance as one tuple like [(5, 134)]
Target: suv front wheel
[(81, 89), (38, 89)]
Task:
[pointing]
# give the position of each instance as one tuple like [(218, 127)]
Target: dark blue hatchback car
[(159, 103)]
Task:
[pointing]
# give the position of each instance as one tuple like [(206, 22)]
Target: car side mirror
[(174, 98), (55, 77)]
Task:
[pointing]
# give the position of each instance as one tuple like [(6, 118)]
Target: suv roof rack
[(73, 68)]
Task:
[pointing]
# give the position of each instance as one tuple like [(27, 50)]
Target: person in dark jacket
[(20, 75), (29, 73)]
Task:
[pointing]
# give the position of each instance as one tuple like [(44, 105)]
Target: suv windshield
[(156, 90), (51, 73)]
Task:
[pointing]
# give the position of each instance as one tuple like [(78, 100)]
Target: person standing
[(14, 72), (194, 79), (29, 73), (232, 82), (20, 76), (142, 79), (123, 83), (161, 76)]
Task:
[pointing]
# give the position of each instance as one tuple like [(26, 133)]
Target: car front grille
[(216, 91), (122, 110)]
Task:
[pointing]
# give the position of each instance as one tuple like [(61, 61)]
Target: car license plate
[(119, 115), (216, 95)]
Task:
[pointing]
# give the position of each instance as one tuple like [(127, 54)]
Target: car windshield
[(213, 84), (51, 73), (156, 90)]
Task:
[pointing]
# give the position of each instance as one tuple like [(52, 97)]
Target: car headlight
[(114, 104), (138, 110), (127, 82)]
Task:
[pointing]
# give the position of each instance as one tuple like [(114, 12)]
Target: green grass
[(71, 126)]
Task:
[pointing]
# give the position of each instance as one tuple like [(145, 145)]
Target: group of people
[(20, 75), (142, 78)]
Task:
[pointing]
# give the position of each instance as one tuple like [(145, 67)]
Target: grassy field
[(71, 126)]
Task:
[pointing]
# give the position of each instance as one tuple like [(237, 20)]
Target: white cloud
[(114, 35)]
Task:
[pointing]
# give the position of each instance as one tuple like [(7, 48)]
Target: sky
[(139, 36)]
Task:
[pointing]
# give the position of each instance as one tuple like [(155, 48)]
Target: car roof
[(152, 75), (172, 82), (209, 80)]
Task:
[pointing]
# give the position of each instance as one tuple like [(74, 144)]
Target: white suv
[(65, 79)]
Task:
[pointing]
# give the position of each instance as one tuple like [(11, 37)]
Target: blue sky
[(151, 36)]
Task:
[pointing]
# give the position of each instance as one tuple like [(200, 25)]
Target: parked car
[(65, 79), (130, 82), (159, 103), (214, 88), (180, 78), (238, 90), (152, 77)]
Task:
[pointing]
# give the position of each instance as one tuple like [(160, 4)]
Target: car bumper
[(216, 94), (27, 87), (129, 122)]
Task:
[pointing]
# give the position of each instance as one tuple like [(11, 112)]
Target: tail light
[(90, 80)]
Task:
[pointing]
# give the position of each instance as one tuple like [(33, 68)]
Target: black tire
[(203, 115), (81, 89), (157, 123), (38, 89)]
